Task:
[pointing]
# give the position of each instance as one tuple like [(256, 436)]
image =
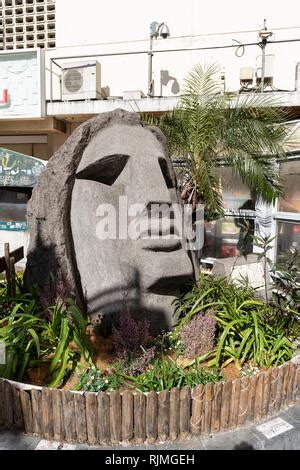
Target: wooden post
[(46, 412), (58, 428), (2, 398), (209, 393), (216, 407), (279, 390), (234, 404), (127, 416), (80, 413), (12, 276), (115, 417), (139, 401), (296, 394), (252, 397), (25, 398), (258, 402), (185, 412), (92, 418), (8, 405), (197, 405), (225, 411), (17, 410), (293, 383), (163, 415), (103, 418), (7, 271), (243, 405), (273, 390), (36, 400), (68, 416), (266, 393), (174, 413), (285, 385), (152, 417)]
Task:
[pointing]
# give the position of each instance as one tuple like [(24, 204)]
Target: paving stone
[(14, 441)]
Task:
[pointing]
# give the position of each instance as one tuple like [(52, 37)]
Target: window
[(288, 236), (236, 195), (13, 206), (224, 238), (27, 24), (290, 174)]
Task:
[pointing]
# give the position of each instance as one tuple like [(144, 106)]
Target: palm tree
[(211, 127)]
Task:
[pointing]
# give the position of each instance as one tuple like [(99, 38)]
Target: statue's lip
[(161, 244)]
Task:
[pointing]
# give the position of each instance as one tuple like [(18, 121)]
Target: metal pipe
[(263, 65), (51, 81), (111, 54), (150, 71)]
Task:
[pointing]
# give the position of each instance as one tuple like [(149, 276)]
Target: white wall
[(95, 27), (15, 240)]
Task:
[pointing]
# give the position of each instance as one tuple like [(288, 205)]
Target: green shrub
[(96, 380), (34, 333), (245, 336), (167, 374), (248, 329)]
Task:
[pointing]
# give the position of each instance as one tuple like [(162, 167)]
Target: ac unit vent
[(73, 80), (81, 81)]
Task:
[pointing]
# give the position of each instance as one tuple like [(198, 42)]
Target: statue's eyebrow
[(105, 170)]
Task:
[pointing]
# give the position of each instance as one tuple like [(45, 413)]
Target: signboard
[(22, 84), (13, 226), (18, 170), (274, 427)]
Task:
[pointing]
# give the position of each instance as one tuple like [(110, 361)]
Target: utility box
[(133, 95)]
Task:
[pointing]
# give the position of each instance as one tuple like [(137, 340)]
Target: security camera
[(164, 31)]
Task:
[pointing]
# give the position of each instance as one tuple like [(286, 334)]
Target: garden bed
[(131, 416)]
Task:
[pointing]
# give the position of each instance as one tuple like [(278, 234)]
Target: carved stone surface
[(111, 155)]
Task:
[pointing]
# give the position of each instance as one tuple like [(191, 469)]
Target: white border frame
[(40, 54)]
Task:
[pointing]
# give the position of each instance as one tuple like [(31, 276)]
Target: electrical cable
[(240, 46)]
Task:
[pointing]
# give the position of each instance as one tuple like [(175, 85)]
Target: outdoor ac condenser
[(81, 81)]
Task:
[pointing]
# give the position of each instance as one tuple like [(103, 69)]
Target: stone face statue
[(78, 226)]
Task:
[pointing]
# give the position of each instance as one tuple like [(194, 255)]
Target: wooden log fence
[(7, 266), (123, 417)]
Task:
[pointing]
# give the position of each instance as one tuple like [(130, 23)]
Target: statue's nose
[(152, 187)]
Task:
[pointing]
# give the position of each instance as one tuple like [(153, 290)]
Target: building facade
[(64, 61)]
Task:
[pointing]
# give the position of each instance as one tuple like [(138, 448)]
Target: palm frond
[(247, 132)]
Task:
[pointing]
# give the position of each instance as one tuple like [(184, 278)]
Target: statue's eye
[(166, 173), (105, 171)]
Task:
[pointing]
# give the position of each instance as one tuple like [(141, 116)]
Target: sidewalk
[(285, 431)]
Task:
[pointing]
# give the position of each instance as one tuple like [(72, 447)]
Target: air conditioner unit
[(81, 81)]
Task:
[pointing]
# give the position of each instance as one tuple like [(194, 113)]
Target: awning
[(18, 170)]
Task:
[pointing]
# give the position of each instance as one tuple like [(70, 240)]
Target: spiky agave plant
[(210, 127)]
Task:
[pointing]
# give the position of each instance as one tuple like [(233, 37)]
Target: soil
[(38, 375), (104, 356), (231, 372)]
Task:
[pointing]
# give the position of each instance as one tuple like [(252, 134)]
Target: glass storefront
[(236, 195), (290, 173), (288, 236), (225, 238)]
